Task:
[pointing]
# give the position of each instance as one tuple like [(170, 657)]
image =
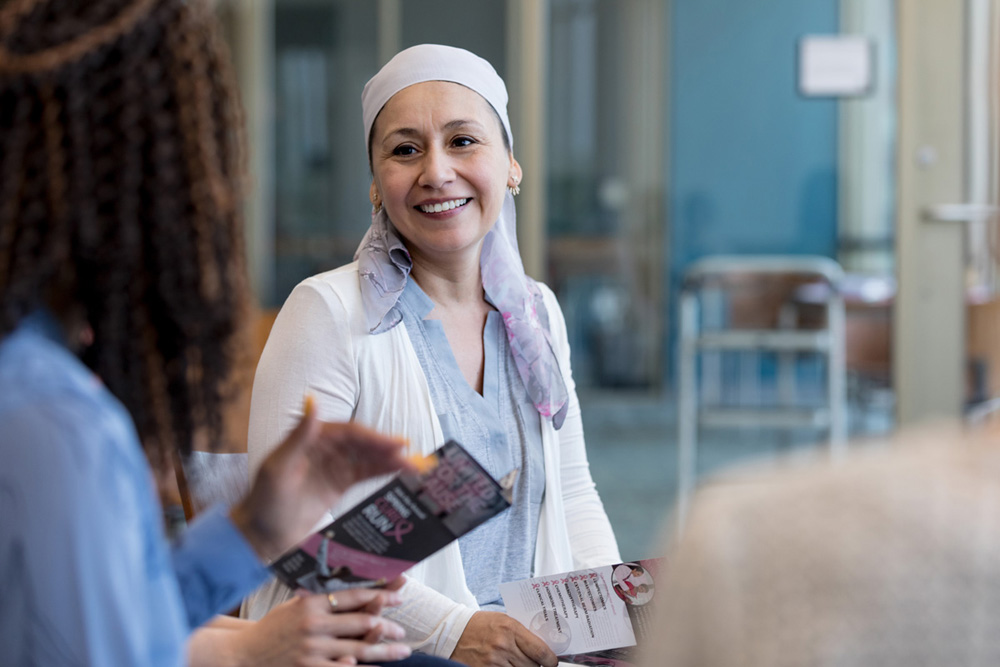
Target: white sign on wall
[(835, 65)]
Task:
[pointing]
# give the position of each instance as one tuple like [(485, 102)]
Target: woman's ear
[(515, 175)]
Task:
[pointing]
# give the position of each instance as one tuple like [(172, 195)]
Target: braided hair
[(121, 176)]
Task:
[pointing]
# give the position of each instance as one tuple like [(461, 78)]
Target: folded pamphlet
[(405, 521)]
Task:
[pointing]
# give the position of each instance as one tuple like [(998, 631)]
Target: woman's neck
[(449, 285), (71, 317)]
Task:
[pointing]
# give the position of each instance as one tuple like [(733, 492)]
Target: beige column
[(929, 316), (527, 69)]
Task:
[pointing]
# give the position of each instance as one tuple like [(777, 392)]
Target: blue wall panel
[(752, 163)]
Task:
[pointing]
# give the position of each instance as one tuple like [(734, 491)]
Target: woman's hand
[(305, 476), (492, 638), (306, 632)]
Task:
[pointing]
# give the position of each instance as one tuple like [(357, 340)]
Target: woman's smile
[(445, 206)]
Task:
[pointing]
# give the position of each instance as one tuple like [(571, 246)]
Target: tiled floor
[(632, 447)]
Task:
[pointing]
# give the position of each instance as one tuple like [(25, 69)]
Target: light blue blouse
[(500, 428), (86, 574)]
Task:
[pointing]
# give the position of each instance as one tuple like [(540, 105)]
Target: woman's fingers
[(382, 652), (363, 626), (368, 600), (326, 649), (396, 583), (305, 475), (492, 639), (535, 649), (384, 632), (346, 661), (306, 632), (358, 452), (353, 618)]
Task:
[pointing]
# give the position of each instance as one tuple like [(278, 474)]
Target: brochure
[(405, 521), (588, 617)]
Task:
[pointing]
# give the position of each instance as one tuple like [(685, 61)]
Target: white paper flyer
[(592, 617)]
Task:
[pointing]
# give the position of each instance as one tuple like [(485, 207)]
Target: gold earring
[(515, 190), (377, 203)]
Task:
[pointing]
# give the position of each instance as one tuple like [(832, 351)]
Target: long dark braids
[(121, 172)]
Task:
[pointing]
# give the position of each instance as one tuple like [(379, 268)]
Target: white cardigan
[(320, 344)]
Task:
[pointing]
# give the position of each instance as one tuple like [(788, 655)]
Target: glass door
[(605, 172)]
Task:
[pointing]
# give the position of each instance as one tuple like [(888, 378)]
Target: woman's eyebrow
[(450, 126), (402, 131), (460, 123)]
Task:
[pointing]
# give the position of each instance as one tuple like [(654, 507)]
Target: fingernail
[(393, 631), (308, 405), (423, 463), (400, 651), (392, 599)]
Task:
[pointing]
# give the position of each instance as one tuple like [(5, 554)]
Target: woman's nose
[(436, 169)]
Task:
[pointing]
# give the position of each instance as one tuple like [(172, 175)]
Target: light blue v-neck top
[(500, 428)]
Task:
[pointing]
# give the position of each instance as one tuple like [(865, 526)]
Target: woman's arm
[(223, 622), (81, 538), (591, 537), (309, 351)]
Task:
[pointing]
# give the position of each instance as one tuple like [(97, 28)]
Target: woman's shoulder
[(331, 298), (342, 283), (543, 290), (343, 278), (548, 298)]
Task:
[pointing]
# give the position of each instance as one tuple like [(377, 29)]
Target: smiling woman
[(435, 332), (440, 167)]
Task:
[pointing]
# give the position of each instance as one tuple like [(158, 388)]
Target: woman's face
[(440, 168)]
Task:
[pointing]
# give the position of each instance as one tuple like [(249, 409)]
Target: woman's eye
[(404, 150), (463, 141)]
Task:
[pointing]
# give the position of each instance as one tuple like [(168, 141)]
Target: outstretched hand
[(306, 475)]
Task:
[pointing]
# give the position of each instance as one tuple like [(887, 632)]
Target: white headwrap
[(433, 62), (384, 263)]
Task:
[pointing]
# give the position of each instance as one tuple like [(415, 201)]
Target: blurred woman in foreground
[(122, 290)]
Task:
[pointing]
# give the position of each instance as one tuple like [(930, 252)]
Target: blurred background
[(655, 134)]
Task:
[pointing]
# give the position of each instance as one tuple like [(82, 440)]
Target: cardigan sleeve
[(591, 538), (311, 349)]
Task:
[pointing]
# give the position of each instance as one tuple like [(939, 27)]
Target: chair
[(216, 477), (744, 309), (223, 475)]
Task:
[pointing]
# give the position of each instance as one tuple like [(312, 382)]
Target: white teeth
[(443, 206)]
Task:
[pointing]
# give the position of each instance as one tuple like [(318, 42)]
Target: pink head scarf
[(384, 263)]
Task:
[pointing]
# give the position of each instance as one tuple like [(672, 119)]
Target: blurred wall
[(752, 164)]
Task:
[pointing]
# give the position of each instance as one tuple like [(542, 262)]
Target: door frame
[(929, 329)]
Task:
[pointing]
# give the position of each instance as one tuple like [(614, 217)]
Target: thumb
[(305, 431)]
